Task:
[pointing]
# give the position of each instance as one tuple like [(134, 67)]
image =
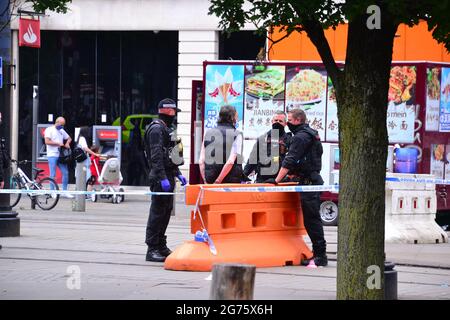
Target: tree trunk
[(232, 281), (362, 106)]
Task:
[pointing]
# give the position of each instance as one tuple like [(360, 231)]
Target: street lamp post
[(34, 135), (9, 222)]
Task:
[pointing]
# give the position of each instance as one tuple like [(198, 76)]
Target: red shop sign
[(29, 33), (108, 134)]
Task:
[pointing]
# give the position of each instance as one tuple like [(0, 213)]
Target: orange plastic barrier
[(260, 228)]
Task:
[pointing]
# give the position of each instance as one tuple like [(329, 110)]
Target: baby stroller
[(110, 179)]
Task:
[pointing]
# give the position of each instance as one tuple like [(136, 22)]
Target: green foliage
[(291, 15), (264, 14), (59, 6)]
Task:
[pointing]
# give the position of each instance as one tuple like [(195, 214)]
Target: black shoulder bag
[(78, 154)]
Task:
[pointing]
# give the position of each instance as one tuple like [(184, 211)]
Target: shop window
[(98, 78), (242, 45)]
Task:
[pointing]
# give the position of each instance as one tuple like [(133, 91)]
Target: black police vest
[(312, 160), (170, 148), (218, 144), (276, 152)]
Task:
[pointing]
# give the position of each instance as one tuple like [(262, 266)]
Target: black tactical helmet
[(168, 103)]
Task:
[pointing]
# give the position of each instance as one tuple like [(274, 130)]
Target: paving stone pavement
[(106, 245)]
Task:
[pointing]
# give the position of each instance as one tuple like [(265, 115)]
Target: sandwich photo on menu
[(266, 84)]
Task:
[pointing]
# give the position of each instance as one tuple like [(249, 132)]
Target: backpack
[(78, 153)]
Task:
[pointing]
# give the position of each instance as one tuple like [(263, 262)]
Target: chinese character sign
[(29, 33), (332, 117), (224, 85), (444, 115)]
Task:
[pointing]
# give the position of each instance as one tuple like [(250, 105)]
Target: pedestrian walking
[(56, 140), (95, 168), (84, 142)]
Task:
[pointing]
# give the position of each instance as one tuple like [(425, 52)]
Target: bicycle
[(19, 180)]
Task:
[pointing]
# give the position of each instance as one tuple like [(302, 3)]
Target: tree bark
[(232, 282), (362, 106)]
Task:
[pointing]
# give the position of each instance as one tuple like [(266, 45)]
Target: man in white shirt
[(54, 139)]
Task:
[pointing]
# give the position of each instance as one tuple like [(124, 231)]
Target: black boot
[(319, 260), (165, 251), (154, 255)]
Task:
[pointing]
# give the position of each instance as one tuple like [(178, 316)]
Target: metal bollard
[(172, 213), (390, 281), (79, 203)]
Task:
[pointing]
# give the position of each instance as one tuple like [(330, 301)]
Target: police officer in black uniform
[(221, 154), (163, 164), (304, 162), (269, 150)]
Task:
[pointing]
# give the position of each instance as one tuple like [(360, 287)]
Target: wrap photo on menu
[(264, 95), (266, 84)]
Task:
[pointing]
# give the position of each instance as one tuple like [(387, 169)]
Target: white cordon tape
[(99, 193), (415, 180), (298, 188), (307, 188), (331, 188)]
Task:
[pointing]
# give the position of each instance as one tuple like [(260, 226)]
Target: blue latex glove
[(182, 179), (165, 185)]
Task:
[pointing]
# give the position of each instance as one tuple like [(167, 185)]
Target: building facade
[(107, 59)]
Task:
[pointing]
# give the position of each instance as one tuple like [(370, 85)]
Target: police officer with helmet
[(163, 161), (304, 162)]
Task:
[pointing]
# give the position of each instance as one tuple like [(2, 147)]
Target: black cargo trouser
[(159, 215), (313, 224)]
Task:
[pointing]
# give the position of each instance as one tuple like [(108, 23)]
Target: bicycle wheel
[(47, 201), (14, 197)]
